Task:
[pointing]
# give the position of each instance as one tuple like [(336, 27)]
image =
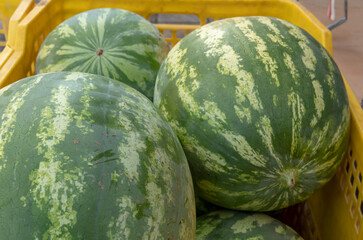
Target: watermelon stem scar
[(99, 52), (289, 177)]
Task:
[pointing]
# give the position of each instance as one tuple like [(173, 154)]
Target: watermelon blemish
[(289, 177), (99, 52)]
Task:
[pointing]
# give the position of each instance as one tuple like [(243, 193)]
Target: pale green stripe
[(266, 132), (212, 161), (101, 24), (250, 222), (240, 145), (276, 37), (131, 69), (261, 48), (157, 203), (243, 113), (229, 63), (65, 31), (50, 184), (298, 112), (44, 52), (292, 69), (329, 78), (254, 204), (212, 37), (82, 19), (8, 118), (204, 230), (318, 98), (63, 64), (214, 190), (55, 123)]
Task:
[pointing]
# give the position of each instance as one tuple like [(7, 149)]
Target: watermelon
[(234, 225), (87, 157), (111, 42), (260, 108)]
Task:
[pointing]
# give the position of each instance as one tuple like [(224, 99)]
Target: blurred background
[(347, 38)]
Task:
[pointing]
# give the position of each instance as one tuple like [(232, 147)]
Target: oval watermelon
[(233, 225), (114, 43), (87, 157), (260, 108)]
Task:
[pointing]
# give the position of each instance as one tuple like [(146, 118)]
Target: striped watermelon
[(260, 108), (111, 42), (233, 225), (87, 157)]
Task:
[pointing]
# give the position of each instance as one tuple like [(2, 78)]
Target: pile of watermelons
[(249, 114)]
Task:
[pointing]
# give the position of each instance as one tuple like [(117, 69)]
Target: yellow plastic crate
[(7, 7), (335, 212)]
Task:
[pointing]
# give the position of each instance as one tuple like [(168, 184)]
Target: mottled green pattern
[(87, 157), (260, 108), (230, 225), (132, 48)]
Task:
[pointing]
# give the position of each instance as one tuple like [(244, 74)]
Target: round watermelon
[(114, 43), (260, 108), (233, 225), (87, 157)]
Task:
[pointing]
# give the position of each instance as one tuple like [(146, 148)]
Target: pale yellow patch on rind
[(229, 63), (243, 113), (240, 145), (82, 19), (291, 66), (65, 31), (101, 25), (275, 100), (337, 138), (193, 74), (308, 57), (214, 190), (175, 66), (205, 229), (153, 193), (213, 114), (44, 52), (329, 77), (131, 69), (83, 52), (50, 177), (58, 120), (8, 119), (280, 230), (266, 132), (129, 150), (276, 37), (250, 222), (261, 48), (85, 115), (58, 189), (212, 37), (126, 206), (298, 112), (318, 100), (212, 161), (130, 146)]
